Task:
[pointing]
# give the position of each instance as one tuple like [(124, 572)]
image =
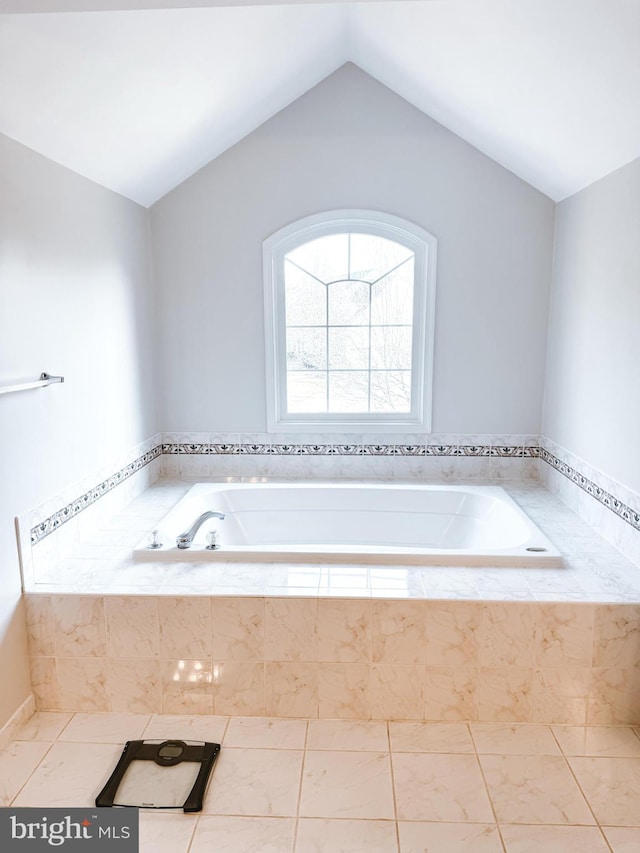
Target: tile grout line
[(575, 778), (192, 837), (563, 755), (393, 785), (200, 814), (29, 777), (606, 840), (72, 715), (592, 658), (302, 765), (486, 787), (480, 665)]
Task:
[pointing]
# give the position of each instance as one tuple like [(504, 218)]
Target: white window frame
[(303, 231)]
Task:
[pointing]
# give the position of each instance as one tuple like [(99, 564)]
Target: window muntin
[(349, 320)]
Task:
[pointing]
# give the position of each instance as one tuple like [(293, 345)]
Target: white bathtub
[(355, 523)]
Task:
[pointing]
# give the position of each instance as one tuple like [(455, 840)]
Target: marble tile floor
[(101, 563), (328, 786)]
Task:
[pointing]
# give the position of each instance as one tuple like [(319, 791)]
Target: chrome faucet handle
[(213, 541), (154, 540)]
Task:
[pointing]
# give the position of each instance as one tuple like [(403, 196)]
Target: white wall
[(592, 400), (352, 143), (74, 300)]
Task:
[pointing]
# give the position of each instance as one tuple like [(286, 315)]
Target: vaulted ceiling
[(141, 97)]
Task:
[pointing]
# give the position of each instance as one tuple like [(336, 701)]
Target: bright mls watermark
[(80, 830)]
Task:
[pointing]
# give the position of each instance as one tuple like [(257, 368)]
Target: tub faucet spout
[(185, 539)]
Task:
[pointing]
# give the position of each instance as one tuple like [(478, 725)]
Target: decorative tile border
[(486, 450), (618, 507), (53, 522)]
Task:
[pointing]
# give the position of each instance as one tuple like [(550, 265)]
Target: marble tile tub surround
[(604, 503), (102, 563), (332, 657), (608, 506), (549, 645), (79, 497), (70, 516), (332, 786), (204, 454), (56, 526)]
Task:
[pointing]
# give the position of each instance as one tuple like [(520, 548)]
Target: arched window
[(349, 302)]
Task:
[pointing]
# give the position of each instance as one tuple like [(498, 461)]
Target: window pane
[(306, 392), (306, 349), (344, 337), (391, 391), (392, 297), (305, 298), (371, 257), (326, 258), (348, 303), (391, 347), (349, 392), (349, 348)]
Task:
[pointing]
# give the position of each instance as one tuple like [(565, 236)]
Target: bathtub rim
[(393, 557)]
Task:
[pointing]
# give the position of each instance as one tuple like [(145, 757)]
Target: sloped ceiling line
[(140, 100)]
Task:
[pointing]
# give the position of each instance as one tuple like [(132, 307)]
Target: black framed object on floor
[(161, 774)]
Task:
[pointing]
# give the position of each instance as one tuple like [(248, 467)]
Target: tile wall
[(608, 506), (435, 456), (565, 663), (52, 529)]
